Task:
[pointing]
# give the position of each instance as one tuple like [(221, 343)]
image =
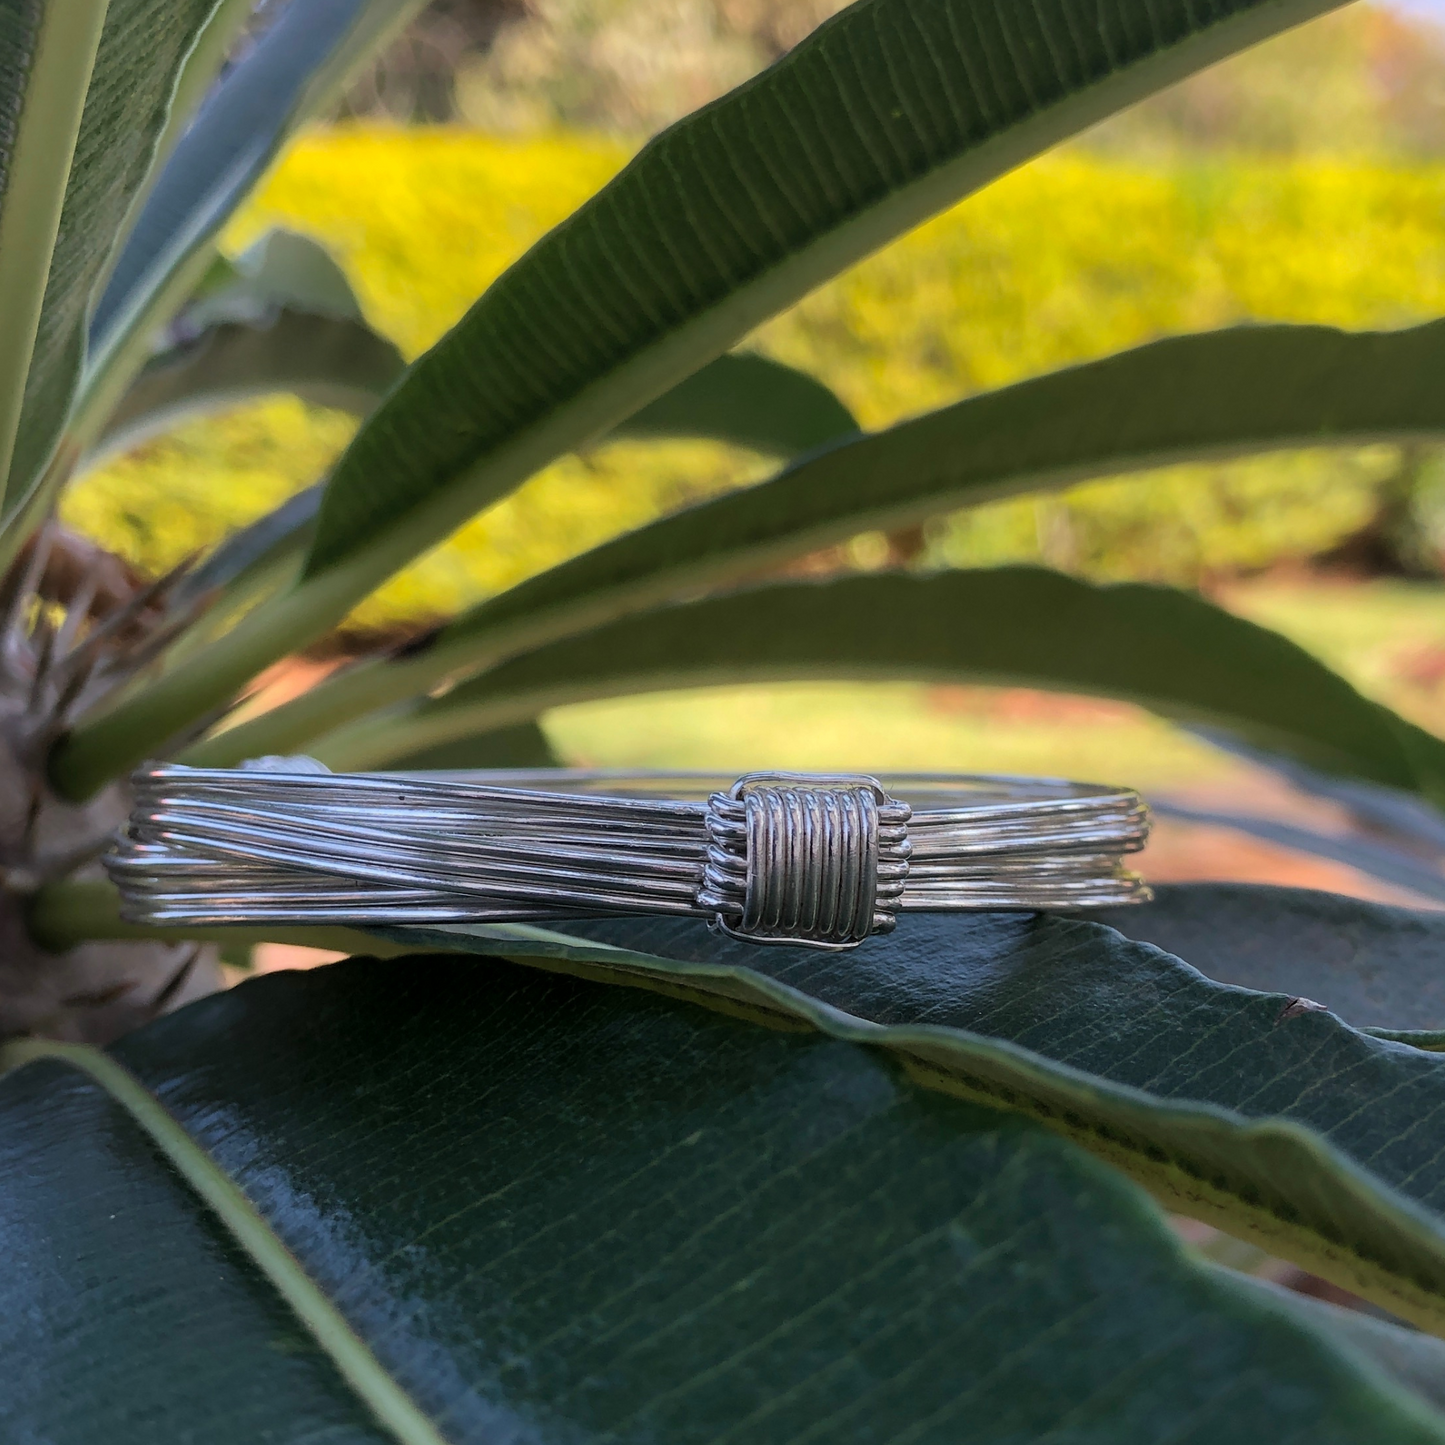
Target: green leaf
[(750, 401), (1372, 964), (208, 56), (46, 59), (524, 745), (1266, 387), (322, 360), (551, 1211), (1407, 1356), (293, 70), (1271, 1121), (97, 161), (885, 115), (1164, 649), (282, 270), (881, 118), (744, 399)]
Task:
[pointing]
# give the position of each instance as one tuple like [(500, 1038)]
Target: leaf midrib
[(392, 1407)]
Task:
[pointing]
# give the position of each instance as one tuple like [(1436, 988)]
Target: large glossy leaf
[(1249, 1110), (101, 166), (1374, 965), (1168, 650), (1185, 398), (884, 116), (527, 1208)]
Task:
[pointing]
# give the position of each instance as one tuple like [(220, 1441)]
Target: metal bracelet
[(819, 860)]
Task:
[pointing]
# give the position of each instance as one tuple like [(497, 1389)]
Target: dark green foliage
[(596, 1214)]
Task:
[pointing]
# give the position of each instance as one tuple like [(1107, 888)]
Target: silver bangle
[(813, 859)]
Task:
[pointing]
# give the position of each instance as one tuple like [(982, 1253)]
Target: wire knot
[(803, 859)]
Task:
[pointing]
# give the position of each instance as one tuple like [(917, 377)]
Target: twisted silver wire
[(770, 858), (822, 859)]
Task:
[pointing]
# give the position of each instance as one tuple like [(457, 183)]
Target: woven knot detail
[(807, 860)]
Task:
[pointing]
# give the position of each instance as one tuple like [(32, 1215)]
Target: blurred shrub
[(1073, 257), (1362, 79)]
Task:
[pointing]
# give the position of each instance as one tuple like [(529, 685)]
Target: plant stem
[(65, 914)]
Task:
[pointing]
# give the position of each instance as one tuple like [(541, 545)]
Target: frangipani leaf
[(97, 161), (750, 401), (523, 745), (1373, 964), (887, 114), (293, 69), (565, 1213), (1271, 1119), (744, 399), (884, 116), (1186, 398), (321, 359), (1168, 650)]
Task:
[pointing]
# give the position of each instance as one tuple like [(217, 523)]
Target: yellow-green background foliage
[(1073, 257)]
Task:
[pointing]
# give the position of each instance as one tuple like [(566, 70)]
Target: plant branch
[(66, 914)]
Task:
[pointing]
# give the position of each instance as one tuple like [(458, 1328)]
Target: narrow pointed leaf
[(1215, 394), (750, 401), (1276, 1122), (566, 1213), (143, 44), (46, 58), (324, 360), (1187, 398), (293, 69), (744, 399), (884, 116), (524, 745), (1164, 649)]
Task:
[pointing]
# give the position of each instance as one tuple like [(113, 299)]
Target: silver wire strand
[(819, 860)]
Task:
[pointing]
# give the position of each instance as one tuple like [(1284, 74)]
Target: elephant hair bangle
[(793, 858)]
